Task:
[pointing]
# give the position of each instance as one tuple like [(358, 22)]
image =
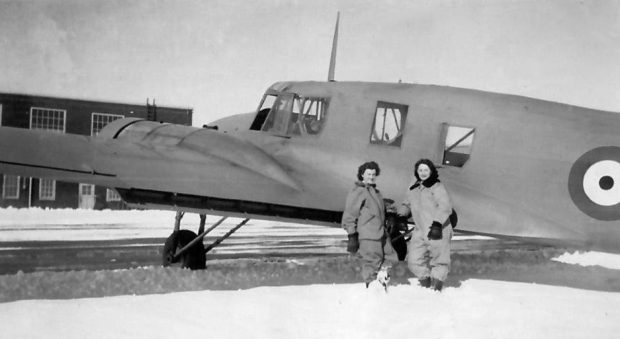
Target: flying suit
[(428, 203), (365, 214)]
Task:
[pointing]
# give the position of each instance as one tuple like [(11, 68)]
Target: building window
[(457, 144), (47, 119), (47, 189), (112, 195), (10, 187), (389, 124), (99, 120), (87, 189)]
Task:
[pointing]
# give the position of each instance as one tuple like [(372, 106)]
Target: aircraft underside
[(241, 208)]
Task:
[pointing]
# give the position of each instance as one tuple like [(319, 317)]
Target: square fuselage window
[(389, 124), (457, 144)]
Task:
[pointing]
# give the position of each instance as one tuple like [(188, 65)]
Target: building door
[(87, 196)]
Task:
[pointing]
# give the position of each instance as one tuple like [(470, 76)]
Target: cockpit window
[(288, 114), (389, 124), (309, 115), (265, 107), (278, 119)]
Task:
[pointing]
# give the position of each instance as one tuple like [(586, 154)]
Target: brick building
[(64, 115)]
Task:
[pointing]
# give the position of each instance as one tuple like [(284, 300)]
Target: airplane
[(515, 167)]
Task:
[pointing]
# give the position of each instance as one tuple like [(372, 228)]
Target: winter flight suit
[(365, 214), (428, 258)]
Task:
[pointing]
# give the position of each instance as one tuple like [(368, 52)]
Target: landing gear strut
[(186, 247)]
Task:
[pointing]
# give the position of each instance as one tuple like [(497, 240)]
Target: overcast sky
[(218, 57)]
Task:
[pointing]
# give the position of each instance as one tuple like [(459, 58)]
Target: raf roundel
[(594, 183)]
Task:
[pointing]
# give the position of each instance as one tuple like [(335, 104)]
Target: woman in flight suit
[(429, 205), (364, 221)]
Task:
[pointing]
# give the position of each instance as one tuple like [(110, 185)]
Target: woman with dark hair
[(364, 221), (429, 205)]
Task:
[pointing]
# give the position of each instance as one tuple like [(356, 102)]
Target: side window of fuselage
[(457, 144), (389, 124)]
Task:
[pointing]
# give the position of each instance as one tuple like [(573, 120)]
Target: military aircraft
[(514, 166)]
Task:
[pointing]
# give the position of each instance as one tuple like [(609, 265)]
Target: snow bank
[(478, 309), (607, 260)]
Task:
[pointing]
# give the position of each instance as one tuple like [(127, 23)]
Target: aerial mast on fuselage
[(332, 59)]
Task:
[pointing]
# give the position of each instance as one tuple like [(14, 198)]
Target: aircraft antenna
[(332, 59)]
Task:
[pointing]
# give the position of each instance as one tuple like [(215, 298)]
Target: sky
[(219, 56), (477, 308)]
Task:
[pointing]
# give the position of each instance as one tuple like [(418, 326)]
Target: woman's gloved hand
[(436, 231), (354, 244)]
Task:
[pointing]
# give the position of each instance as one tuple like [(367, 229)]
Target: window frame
[(288, 98), (64, 118), (101, 114), (11, 197), (112, 195), (50, 197), (82, 185), (319, 104), (404, 112), (445, 127)]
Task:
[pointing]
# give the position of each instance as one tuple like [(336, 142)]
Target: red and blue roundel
[(594, 183)]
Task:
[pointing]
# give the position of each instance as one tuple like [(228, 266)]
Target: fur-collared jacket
[(427, 202), (364, 212)]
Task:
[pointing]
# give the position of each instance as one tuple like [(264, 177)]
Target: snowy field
[(64, 224), (477, 308)]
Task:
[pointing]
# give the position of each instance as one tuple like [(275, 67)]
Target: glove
[(436, 231), (354, 244)]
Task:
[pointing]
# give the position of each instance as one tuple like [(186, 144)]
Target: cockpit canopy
[(289, 114)]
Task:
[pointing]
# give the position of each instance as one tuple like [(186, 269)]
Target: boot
[(436, 284), (425, 282), (374, 286)]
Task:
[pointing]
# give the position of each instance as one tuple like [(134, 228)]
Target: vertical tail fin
[(332, 59)]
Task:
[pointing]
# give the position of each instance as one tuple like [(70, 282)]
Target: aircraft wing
[(151, 156)]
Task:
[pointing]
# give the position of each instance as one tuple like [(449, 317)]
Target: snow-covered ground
[(591, 259), (69, 224), (36, 224), (475, 309)]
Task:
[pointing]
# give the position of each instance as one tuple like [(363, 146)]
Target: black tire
[(396, 226), (194, 258)]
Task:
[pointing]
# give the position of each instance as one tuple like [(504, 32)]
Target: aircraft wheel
[(194, 258), (397, 226)]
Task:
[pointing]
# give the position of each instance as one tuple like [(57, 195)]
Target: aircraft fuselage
[(514, 166)]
